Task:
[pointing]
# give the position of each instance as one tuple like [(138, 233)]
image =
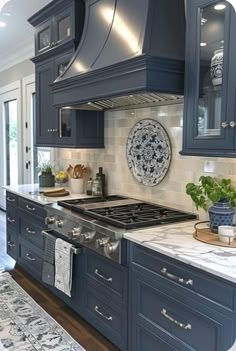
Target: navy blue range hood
[(131, 53)]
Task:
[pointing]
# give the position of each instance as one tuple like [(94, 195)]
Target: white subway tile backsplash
[(183, 169)]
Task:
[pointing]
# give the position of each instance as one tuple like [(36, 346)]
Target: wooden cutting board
[(56, 193)]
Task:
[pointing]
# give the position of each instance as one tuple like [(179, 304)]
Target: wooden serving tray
[(205, 235)]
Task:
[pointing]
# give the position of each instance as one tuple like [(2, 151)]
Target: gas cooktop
[(126, 213)]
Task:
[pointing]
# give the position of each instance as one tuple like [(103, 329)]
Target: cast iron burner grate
[(139, 215)]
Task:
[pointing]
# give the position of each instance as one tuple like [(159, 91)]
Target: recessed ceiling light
[(219, 7), (6, 14), (2, 24), (203, 44)]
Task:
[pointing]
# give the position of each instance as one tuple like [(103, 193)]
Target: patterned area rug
[(25, 326)]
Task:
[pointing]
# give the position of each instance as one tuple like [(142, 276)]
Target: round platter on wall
[(148, 152)]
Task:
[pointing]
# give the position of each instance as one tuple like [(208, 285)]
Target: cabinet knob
[(232, 124), (225, 124)]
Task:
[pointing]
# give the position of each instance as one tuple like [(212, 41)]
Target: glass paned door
[(10, 140)]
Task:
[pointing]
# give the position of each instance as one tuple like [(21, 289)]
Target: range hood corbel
[(131, 54)]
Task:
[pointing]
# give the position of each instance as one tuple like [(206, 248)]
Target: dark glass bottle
[(102, 177)]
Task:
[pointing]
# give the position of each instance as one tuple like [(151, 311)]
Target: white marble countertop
[(176, 241), (34, 193)]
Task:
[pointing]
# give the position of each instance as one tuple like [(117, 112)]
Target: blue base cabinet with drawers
[(151, 302), (175, 307)]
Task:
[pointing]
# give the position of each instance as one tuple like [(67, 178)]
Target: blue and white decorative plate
[(148, 152)]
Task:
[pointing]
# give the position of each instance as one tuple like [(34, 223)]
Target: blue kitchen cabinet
[(58, 24), (210, 79), (173, 304), (63, 127)]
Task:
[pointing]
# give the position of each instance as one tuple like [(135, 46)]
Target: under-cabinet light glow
[(203, 44)]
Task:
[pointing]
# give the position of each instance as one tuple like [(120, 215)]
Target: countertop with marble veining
[(176, 241), (34, 193)]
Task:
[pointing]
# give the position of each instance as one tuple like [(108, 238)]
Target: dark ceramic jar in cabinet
[(210, 79)]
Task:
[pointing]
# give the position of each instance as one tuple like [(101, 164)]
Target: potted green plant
[(218, 192), (46, 177)]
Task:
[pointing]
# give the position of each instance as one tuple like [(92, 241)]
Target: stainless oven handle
[(96, 309), (75, 250), (175, 278), (96, 272), (187, 326)]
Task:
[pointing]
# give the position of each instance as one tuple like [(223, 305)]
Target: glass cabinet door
[(208, 122), (211, 70), (44, 36), (63, 26)]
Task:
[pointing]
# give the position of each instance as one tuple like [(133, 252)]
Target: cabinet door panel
[(63, 26), (44, 37), (66, 117), (183, 322), (45, 112), (208, 109)]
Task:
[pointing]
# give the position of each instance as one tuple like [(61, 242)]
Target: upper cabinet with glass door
[(58, 23), (210, 81)]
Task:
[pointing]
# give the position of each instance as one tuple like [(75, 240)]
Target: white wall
[(17, 72)]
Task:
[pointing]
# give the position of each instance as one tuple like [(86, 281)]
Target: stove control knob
[(60, 223), (50, 220), (86, 237), (101, 242), (111, 247), (75, 232)]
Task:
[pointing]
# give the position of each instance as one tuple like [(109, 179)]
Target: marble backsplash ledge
[(183, 169)]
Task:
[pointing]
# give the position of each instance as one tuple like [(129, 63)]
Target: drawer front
[(145, 340), (110, 275), (108, 317), (11, 199), (184, 322), (208, 286), (12, 244), (30, 258), (31, 231), (32, 208), (12, 219)]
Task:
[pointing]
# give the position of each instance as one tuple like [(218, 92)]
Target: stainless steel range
[(100, 223)]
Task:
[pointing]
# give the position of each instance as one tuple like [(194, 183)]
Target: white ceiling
[(17, 38)]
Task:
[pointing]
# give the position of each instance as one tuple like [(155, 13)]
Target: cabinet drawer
[(30, 258), (105, 272), (12, 244), (11, 199), (31, 231), (106, 316), (184, 322), (148, 341), (32, 208), (12, 219), (202, 283)]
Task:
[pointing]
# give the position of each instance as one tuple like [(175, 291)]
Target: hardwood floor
[(81, 331)]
